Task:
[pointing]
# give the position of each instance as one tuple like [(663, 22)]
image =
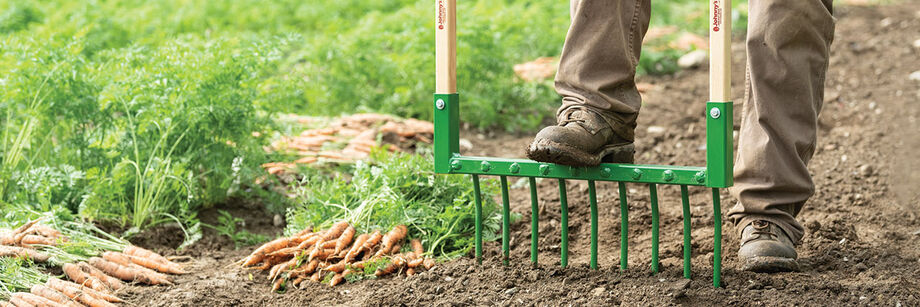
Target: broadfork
[(715, 175)]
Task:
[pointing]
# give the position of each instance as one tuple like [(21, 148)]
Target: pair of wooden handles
[(719, 48)]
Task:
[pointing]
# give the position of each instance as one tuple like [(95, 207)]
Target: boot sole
[(767, 264), (553, 152)]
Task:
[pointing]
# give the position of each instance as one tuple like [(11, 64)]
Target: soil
[(862, 245)]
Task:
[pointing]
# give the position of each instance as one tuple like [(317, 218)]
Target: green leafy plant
[(227, 225)]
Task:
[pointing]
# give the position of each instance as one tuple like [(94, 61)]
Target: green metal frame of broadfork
[(715, 175)]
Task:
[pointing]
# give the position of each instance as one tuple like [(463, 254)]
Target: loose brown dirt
[(862, 245)]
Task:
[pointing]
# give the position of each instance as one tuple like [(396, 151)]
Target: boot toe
[(768, 256)]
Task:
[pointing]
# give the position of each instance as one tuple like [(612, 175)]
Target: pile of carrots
[(359, 132), (334, 254), (94, 281)]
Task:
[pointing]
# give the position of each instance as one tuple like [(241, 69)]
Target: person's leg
[(596, 79), (787, 56)]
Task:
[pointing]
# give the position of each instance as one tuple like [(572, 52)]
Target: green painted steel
[(685, 203), (534, 220), (719, 144), (624, 227), (506, 222), (592, 200), (653, 198), (446, 130), (688, 175), (477, 195), (564, 220), (717, 238)]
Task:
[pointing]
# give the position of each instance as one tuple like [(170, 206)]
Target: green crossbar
[(715, 175)]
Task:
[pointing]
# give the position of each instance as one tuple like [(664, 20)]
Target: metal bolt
[(440, 104), (701, 177), (485, 166), (637, 173), (456, 165), (668, 175), (715, 113), (514, 168), (606, 172), (544, 169)]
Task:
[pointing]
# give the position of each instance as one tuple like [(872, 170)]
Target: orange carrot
[(278, 269), (278, 284), (338, 267), (19, 302), (310, 267), (337, 279), (50, 294), (415, 262), (259, 254), (78, 276), (306, 231), (5, 304), (328, 244), (127, 273), (429, 263), (143, 253), (344, 239), (335, 231), (25, 227), (320, 254), (45, 231), (391, 238), (33, 299), (395, 264), (27, 253), (162, 267), (109, 281), (417, 249), (63, 285), (353, 252), (29, 240), (125, 260), (316, 276), (410, 271), (7, 238), (298, 280)]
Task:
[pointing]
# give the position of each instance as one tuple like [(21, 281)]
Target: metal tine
[(506, 221), (534, 220), (717, 239), (685, 202), (624, 227), (592, 198), (478, 220), (564, 220), (653, 197)]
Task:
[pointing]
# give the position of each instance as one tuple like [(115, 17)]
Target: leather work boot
[(766, 248), (581, 138)]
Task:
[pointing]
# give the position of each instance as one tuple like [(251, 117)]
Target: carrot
[(278, 269), (306, 231), (335, 231), (298, 280), (328, 244), (111, 282), (395, 264), (417, 249), (316, 276), (143, 253), (259, 254), (338, 267), (415, 262), (6, 304), (25, 227), (127, 273), (125, 260), (79, 276), (50, 294), (33, 299), (429, 263), (19, 302), (45, 231), (310, 267), (347, 236), (278, 284), (410, 271), (391, 238), (29, 240), (337, 279), (21, 252), (309, 241), (162, 267), (356, 248), (68, 287)]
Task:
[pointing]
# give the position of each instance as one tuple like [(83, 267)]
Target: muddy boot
[(581, 138), (766, 248)]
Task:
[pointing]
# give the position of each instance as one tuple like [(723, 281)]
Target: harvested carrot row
[(127, 273), (27, 253), (111, 282), (259, 254), (125, 260), (391, 238), (79, 276), (33, 299), (66, 286), (143, 253), (151, 260)]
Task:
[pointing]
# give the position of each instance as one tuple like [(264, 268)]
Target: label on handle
[(716, 15), (442, 14)]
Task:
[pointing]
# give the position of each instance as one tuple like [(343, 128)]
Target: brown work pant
[(787, 54)]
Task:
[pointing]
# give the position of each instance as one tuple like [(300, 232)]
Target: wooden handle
[(445, 23), (720, 47)]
